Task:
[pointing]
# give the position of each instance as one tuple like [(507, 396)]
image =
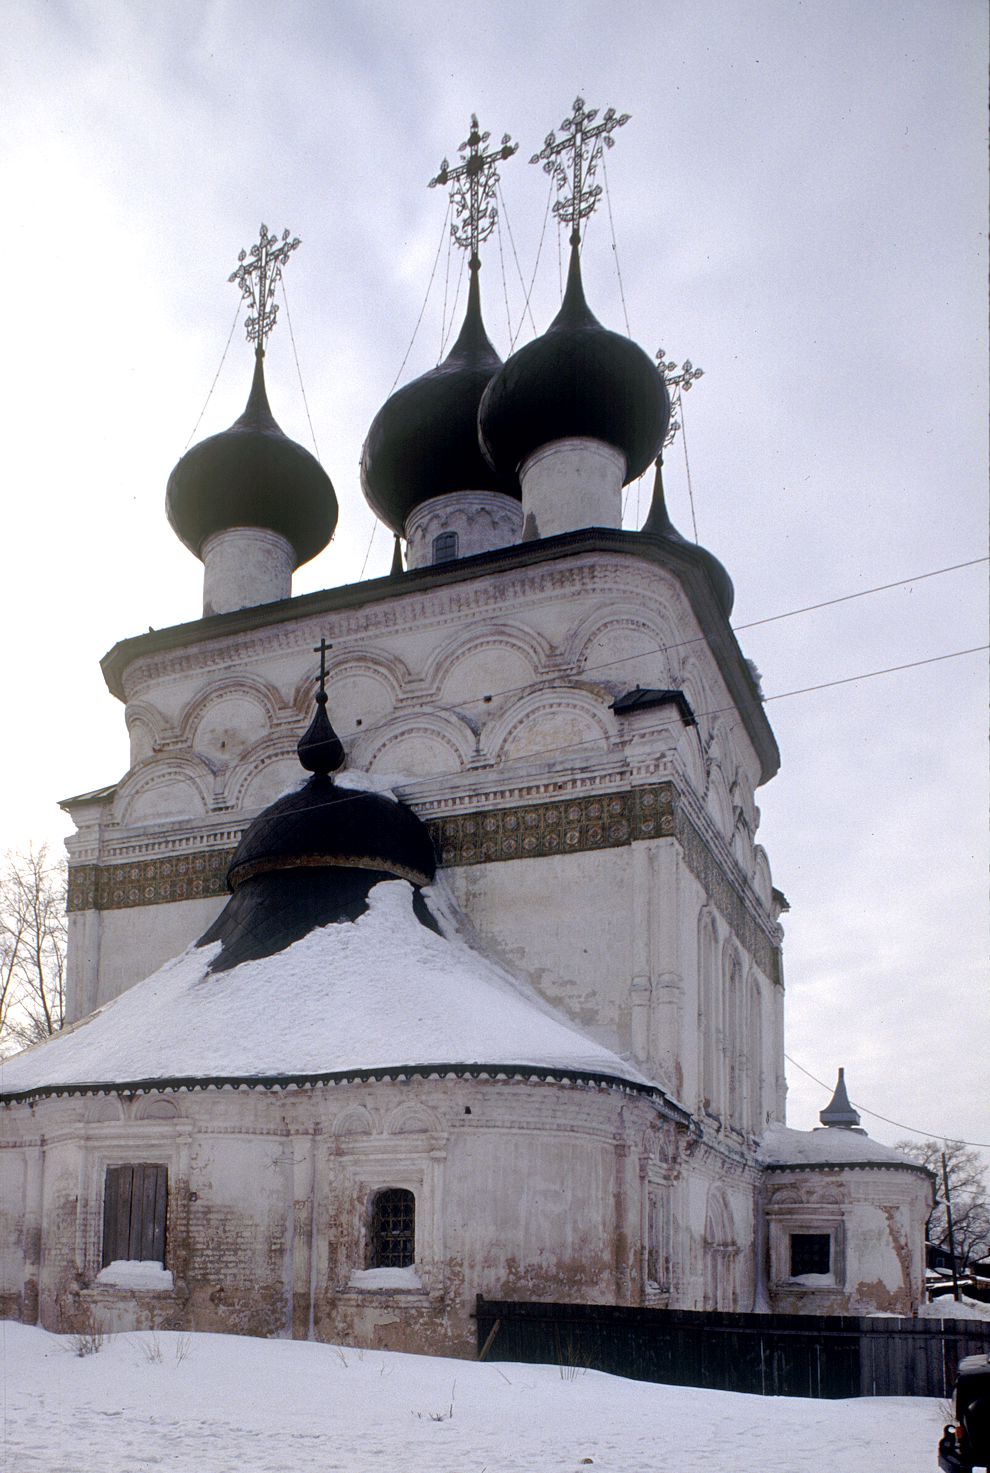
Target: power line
[(912, 1129), (845, 597), (866, 675), (223, 359), (700, 639)]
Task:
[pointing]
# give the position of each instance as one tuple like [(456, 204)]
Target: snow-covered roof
[(825, 1146), (382, 991)]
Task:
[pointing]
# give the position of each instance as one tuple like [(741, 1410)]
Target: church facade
[(549, 1066)]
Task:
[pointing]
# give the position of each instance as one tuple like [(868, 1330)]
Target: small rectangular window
[(392, 1241), (135, 1204), (811, 1253), (445, 547)]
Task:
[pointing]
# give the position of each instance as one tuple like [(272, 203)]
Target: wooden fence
[(767, 1354)]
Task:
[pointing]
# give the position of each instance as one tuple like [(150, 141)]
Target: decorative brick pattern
[(149, 881), (529, 831), (570, 826)]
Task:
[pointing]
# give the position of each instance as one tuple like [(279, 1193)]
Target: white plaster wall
[(482, 520), (492, 693), (244, 566), (571, 483), (877, 1217), (521, 1190), (133, 943)]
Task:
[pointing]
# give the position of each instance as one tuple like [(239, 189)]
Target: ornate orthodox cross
[(678, 380), (472, 189), (258, 278), (585, 146)]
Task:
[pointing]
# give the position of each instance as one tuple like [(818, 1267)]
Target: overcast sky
[(799, 206)]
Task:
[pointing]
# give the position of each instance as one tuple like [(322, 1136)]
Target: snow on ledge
[(386, 1278), (782, 1146), (133, 1273)]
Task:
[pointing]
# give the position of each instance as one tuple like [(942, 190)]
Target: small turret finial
[(258, 277), (585, 146), (320, 748), (472, 189), (839, 1113)]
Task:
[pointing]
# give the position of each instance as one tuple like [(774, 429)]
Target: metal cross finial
[(258, 277), (585, 146), (472, 189), (321, 650), (678, 381)]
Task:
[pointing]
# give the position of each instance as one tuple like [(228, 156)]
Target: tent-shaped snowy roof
[(381, 993), (822, 1147)]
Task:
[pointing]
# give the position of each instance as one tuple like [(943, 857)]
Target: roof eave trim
[(397, 1072), (845, 1166)]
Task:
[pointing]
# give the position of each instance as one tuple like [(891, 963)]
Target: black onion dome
[(313, 857), (423, 441), (252, 475), (578, 379), (323, 826), (658, 524)]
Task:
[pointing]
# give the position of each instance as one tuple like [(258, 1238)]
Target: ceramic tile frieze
[(528, 831)]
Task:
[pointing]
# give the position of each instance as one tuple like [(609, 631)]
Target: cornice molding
[(400, 600)]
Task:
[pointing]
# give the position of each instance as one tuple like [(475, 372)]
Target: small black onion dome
[(658, 524), (423, 441), (323, 826), (314, 856), (252, 475), (578, 379)]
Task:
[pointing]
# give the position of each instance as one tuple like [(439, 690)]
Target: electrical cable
[(374, 529), (422, 310), (615, 248), (665, 649), (505, 284), (687, 466), (302, 387), (515, 256), (936, 1135), (223, 359), (845, 597), (453, 309)]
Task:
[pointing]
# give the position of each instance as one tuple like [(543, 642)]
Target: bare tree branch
[(32, 947), (970, 1196)]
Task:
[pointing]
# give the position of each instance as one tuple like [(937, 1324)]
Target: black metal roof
[(577, 380), (423, 442)]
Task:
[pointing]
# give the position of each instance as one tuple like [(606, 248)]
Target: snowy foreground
[(221, 1404)]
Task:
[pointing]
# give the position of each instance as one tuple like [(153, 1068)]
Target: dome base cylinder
[(570, 484), (245, 566), (480, 520)]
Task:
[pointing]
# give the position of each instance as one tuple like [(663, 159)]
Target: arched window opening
[(392, 1236), (445, 547)]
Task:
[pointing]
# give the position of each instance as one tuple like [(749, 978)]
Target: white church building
[(486, 996)]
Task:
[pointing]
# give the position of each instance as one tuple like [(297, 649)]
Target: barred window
[(135, 1204), (392, 1240), (445, 547), (811, 1253)]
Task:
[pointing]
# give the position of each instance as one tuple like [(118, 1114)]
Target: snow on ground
[(383, 991), (946, 1308), (220, 1404)]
